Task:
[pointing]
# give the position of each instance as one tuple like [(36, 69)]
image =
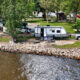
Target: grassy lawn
[(34, 20), (67, 26), (4, 39), (75, 45), (20, 39)]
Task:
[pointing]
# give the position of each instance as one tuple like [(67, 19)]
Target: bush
[(23, 38), (77, 26)]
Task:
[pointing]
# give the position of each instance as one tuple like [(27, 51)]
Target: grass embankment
[(4, 39), (66, 25), (75, 45)]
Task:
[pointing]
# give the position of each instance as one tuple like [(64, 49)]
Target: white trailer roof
[(49, 27)]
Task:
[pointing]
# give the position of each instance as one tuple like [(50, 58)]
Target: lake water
[(35, 67)]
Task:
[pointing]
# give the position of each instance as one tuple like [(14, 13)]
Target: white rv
[(50, 32)]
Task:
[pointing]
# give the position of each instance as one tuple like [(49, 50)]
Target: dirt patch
[(32, 25), (64, 42)]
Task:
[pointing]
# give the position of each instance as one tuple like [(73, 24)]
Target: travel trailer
[(50, 32)]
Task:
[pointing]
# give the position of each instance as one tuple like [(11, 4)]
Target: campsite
[(39, 39)]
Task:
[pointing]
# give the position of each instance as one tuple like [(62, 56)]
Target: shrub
[(77, 26)]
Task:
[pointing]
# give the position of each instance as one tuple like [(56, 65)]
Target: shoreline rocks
[(40, 49)]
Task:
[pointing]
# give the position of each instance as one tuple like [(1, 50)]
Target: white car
[(77, 36)]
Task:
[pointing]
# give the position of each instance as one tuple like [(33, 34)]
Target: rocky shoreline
[(42, 48)]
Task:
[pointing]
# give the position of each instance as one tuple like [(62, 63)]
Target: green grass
[(34, 20), (4, 39), (66, 25), (75, 45)]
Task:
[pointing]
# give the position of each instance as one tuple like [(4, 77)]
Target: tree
[(46, 5), (38, 8), (9, 14), (30, 6), (56, 6), (77, 26), (51, 5), (71, 6), (13, 11), (0, 7)]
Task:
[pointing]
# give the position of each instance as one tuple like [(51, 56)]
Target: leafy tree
[(71, 6), (51, 5), (9, 14), (30, 6), (13, 11), (46, 5), (56, 6), (40, 9), (77, 25)]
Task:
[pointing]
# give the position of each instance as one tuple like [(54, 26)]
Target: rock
[(40, 50)]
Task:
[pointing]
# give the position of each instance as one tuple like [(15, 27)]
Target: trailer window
[(53, 31), (58, 31)]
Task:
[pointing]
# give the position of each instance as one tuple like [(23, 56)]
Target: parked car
[(78, 16), (77, 36)]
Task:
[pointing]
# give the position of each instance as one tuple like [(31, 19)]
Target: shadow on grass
[(24, 39), (77, 32)]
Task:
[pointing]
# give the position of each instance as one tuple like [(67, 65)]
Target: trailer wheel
[(78, 38)]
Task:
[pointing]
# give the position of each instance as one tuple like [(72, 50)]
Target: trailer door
[(42, 32)]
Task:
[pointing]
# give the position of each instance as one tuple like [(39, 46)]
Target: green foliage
[(51, 6), (71, 6), (46, 4), (13, 11), (77, 25), (30, 8)]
